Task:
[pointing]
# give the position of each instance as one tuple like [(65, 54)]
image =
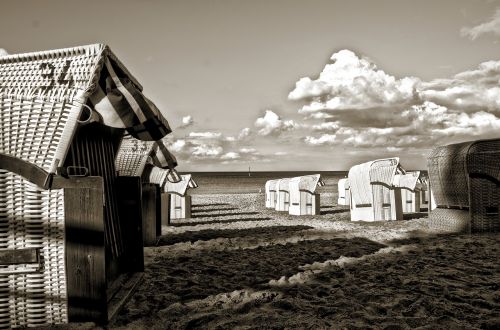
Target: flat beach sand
[(238, 265)]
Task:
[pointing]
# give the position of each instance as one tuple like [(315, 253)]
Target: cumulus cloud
[(490, 27), (367, 107), (3, 52), (230, 156), (206, 150), (187, 121), (426, 125), (211, 147), (244, 133), (205, 135), (469, 91), (350, 82), (272, 124), (323, 139), (327, 126)]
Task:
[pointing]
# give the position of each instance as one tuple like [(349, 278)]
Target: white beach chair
[(180, 200), (283, 195), (344, 192), (271, 193), (373, 195), (410, 191), (303, 199)]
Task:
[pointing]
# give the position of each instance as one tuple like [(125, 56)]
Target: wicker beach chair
[(271, 193), (180, 200), (464, 179), (410, 191), (373, 195), (344, 192), (283, 195), (134, 156), (303, 197), (64, 214)]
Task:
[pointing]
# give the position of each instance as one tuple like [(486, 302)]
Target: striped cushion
[(123, 105), (161, 157)]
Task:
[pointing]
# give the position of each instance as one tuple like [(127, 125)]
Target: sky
[(288, 84)]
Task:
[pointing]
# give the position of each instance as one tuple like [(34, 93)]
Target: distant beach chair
[(465, 181), (373, 195), (180, 199), (410, 191), (271, 193), (303, 197), (344, 192), (424, 191), (135, 159), (283, 195), (70, 226)]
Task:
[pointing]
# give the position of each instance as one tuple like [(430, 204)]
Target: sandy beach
[(237, 265)]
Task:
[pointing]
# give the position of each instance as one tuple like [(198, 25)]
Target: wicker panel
[(449, 220), (37, 130), (30, 217), (382, 202), (132, 156), (56, 73), (448, 174), (359, 180), (485, 204), (157, 176), (483, 158), (383, 170)]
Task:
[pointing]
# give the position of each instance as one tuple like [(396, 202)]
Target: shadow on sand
[(211, 222), (211, 204), (181, 279), (209, 234), (334, 211), (215, 210), (416, 215), (223, 214)]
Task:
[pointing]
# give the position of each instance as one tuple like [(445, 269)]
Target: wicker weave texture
[(158, 176), (55, 74), (132, 156), (36, 130), (32, 218), (449, 220), (485, 205), (448, 175)]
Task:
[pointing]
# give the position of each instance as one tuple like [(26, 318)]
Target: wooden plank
[(129, 197), (123, 293), (30, 172), (187, 205), (19, 256), (85, 251), (165, 209), (149, 212)]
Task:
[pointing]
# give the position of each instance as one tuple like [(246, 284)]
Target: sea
[(254, 182)]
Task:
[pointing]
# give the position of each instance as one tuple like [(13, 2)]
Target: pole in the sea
[(249, 171)]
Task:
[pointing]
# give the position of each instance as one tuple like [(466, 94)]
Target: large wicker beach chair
[(271, 193), (465, 182), (69, 226), (373, 195), (410, 191), (180, 200), (344, 192), (283, 195), (303, 197)]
